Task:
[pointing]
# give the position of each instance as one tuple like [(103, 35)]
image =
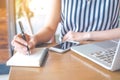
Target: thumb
[(31, 44)]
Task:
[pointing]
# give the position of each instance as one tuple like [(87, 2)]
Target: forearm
[(51, 22), (44, 35), (104, 35)]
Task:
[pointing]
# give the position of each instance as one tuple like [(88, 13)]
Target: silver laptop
[(105, 54)]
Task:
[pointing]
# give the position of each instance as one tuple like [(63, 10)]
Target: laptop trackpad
[(106, 44)]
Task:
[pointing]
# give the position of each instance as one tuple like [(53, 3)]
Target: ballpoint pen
[(23, 36)]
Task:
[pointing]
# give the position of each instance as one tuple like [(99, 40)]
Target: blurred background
[(4, 53)]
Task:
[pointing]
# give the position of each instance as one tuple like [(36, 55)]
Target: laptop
[(105, 54)]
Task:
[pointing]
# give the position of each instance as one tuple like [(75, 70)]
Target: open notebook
[(33, 60)]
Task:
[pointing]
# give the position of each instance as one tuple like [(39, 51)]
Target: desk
[(67, 66)]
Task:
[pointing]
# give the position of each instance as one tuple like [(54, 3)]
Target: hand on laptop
[(20, 44), (76, 36)]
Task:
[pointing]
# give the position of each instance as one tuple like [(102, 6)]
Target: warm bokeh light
[(37, 7)]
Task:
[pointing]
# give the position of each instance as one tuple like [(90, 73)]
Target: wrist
[(87, 36)]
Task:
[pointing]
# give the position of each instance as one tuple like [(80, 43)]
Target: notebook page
[(19, 59)]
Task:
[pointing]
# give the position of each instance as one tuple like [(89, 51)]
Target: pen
[(23, 35), (43, 55)]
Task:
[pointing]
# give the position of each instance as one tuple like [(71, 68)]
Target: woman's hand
[(20, 44), (76, 36)]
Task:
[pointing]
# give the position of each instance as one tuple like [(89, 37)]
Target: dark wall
[(2, 3)]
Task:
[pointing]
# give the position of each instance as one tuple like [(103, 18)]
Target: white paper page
[(19, 59)]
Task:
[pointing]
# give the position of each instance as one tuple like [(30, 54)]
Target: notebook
[(33, 60), (105, 54)]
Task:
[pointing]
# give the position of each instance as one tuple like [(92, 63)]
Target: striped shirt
[(88, 15)]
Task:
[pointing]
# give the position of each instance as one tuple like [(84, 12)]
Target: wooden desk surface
[(67, 66)]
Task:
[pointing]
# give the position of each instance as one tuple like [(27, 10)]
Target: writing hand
[(20, 44)]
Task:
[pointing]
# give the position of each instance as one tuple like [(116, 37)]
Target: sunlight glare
[(38, 6)]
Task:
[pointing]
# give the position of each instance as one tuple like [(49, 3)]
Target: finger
[(65, 37), (31, 45), (19, 39), (13, 41), (20, 46), (20, 50)]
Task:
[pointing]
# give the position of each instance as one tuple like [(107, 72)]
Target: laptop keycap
[(106, 56)]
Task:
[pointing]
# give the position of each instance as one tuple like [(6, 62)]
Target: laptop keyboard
[(106, 56)]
